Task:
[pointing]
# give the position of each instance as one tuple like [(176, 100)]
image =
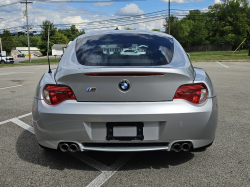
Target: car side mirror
[(188, 55)]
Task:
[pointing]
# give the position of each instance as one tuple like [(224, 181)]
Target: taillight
[(194, 93), (55, 94)]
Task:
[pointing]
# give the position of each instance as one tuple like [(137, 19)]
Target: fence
[(199, 48)]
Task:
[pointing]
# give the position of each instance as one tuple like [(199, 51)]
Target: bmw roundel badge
[(124, 85)]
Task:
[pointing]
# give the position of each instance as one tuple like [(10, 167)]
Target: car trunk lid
[(104, 85)]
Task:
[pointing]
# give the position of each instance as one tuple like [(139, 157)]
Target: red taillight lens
[(55, 94), (194, 93)]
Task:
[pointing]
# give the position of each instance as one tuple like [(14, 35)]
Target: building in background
[(58, 49), (34, 51), (24, 50)]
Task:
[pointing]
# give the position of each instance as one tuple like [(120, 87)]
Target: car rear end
[(106, 99)]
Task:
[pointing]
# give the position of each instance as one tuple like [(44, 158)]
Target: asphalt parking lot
[(225, 163)]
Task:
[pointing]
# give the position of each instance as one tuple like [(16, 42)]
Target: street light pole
[(168, 16)]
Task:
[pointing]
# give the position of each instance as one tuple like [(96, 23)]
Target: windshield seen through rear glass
[(124, 50)]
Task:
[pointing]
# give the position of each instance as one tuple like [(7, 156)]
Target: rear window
[(124, 50)]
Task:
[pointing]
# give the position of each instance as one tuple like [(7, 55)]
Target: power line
[(113, 21), (11, 20), (73, 1), (101, 21), (9, 4)]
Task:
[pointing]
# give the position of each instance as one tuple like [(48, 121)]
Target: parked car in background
[(20, 55), (6, 59)]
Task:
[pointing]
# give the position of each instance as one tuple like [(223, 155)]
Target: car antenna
[(116, 28), (48, 51)]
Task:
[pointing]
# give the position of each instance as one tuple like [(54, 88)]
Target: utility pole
[(1, 47), (168, 16), (28, 33)]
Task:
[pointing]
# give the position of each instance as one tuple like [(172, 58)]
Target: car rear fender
[(47, 78), (202, 77)]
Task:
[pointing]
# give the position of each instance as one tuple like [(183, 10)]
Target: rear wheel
[(2, 62)]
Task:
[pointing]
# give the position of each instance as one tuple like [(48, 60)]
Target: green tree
[(71, 33), (7, 41), (21, 41), (54, 35), (42, 43), (158, 30), (229, 21), (127, 28), (34, 40)]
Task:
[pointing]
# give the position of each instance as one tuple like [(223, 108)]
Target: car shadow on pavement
[(157, 160), (28, 150)]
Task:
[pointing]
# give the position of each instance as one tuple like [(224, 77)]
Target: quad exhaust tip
[(177, 147), (72, 147), (186, 146), (64, 147)]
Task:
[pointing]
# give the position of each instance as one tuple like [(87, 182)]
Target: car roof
[(93, 33)]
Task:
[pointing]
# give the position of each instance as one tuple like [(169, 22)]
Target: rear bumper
[(85, 122)]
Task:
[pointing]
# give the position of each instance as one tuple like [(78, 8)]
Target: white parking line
[(10, 87), (93, 163), (23, 116), (22, 124), (107, 172), (104, 176), (11, 73), (222, 65), (19, 117)]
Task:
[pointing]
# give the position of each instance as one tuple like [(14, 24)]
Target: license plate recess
[(139, 130)]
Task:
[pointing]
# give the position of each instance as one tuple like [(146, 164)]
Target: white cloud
[(103, 3), (217, 1), (64, 14), (129, 10), (176, 1)]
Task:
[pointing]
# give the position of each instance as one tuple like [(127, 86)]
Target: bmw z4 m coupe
[(125, 91)]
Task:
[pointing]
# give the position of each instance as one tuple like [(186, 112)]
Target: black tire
[(2, 62)]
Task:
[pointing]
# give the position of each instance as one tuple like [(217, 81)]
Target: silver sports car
[(125, 91)]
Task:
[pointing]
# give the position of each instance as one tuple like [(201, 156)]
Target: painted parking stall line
[(104, 176), (106, 171), (10, 87), (12, 73), (223, 65), (22, 124), (19, 117), (91, 162)]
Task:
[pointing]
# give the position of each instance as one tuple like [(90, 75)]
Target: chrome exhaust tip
[(73, 148), (64, 147), (186, 146), (177, 147)]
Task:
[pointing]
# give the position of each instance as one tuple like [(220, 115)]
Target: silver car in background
[(125, 91)]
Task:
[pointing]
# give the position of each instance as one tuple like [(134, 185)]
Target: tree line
[(225, 23), (57, 36)]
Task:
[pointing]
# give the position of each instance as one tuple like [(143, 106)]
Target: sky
[(96, 14)]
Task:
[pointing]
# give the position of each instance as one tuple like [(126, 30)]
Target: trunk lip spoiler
[(123, 74)]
